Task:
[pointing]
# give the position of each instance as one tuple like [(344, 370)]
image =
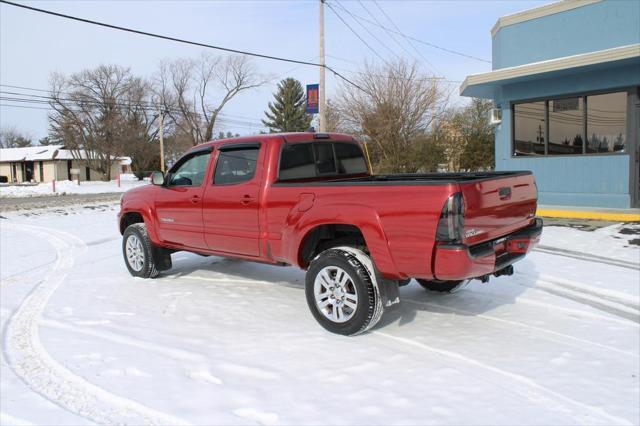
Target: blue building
[(566, 79)]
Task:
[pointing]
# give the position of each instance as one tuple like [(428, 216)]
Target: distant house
[(46, 163)]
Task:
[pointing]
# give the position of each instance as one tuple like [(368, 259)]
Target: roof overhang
[(483, 85), (539, 12)]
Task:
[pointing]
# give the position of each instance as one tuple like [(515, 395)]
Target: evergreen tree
[(287, 112), (45, 141)]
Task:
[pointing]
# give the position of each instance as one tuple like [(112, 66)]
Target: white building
[(46, 163)]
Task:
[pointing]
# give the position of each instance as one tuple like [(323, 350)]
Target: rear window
[(310, 160)]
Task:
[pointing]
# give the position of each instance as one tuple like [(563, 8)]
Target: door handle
[(195, 199), (247, 199)]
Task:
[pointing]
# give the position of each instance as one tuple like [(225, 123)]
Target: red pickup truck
[(310, 200)]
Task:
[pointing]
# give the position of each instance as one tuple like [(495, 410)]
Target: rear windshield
[(316, 159)]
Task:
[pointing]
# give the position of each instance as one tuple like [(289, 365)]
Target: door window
[(236, 165), (190, 172)]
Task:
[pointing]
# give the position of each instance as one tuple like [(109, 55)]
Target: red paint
[(261, 221)]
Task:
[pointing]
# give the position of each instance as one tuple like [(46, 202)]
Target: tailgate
[(498, 206)]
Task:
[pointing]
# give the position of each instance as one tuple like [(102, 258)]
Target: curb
[(593, 215)]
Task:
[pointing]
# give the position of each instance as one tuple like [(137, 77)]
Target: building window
[(565, 126), (606, 122), (529, 128), (591, 124)]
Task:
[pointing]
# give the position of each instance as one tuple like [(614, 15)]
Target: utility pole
[(161, 113), (322, 118)]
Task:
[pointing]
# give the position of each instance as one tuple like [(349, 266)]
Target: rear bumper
[(459, 262)]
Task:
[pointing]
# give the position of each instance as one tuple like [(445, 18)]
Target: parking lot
[(219, 341)]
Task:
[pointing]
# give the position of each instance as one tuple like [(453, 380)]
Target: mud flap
[(161, 258), (389, 292)]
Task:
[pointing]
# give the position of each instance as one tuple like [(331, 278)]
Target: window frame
[(188, 156), (582, 95), (235, 147), (313, 152)]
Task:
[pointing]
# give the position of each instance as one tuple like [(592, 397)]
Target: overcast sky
[(33, 45)]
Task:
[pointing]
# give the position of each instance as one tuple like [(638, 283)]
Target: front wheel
[(341, 293), (137, 251)]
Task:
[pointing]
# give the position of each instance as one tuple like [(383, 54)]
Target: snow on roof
[(29, 153), (43, 153)]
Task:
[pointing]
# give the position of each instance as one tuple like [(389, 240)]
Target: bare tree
[(101, 114), (334, 120), (10, 137), (194, 92), (393, 109)]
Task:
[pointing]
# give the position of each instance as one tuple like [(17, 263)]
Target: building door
[(87, 172), (69, 170), (28, 171), (41, 171)]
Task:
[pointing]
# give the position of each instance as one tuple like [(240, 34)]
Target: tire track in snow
[(520, 299), (526, 326), (30, 361), (551, 397), (610, 302), (586, 257)]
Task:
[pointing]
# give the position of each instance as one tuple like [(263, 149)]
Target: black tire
[(439, 286), (369, 304), (148, 268)]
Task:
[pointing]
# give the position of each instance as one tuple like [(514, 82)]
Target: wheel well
[(324, 237), (129, 219)]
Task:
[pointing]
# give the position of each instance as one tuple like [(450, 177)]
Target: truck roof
[(291, 137)]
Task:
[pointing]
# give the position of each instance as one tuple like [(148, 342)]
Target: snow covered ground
[(218, 341), (70, 187)]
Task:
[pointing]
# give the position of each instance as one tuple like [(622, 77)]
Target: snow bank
[(71, 187)]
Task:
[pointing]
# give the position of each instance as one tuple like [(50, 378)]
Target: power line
[(352, 30), (223, 121), (392, 37), (435, 46), (47, 101), (144, 104), (401, 33), (179, 40), (393, 77), (367, 30)]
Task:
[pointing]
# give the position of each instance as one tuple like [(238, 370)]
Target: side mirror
[(157, 178)]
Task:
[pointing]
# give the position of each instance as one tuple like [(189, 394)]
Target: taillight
[(451, 223)]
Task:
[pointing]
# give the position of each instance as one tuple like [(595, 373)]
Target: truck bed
[(411, 179)]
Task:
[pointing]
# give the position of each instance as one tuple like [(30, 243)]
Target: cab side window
[(236, 165), (191, 171)]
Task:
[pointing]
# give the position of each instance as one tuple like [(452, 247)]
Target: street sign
[(313, 96)]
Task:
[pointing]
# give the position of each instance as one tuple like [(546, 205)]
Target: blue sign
[(313, 98)]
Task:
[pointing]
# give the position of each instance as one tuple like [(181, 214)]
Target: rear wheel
[(443, 286), (137, 251), (341, 294)]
